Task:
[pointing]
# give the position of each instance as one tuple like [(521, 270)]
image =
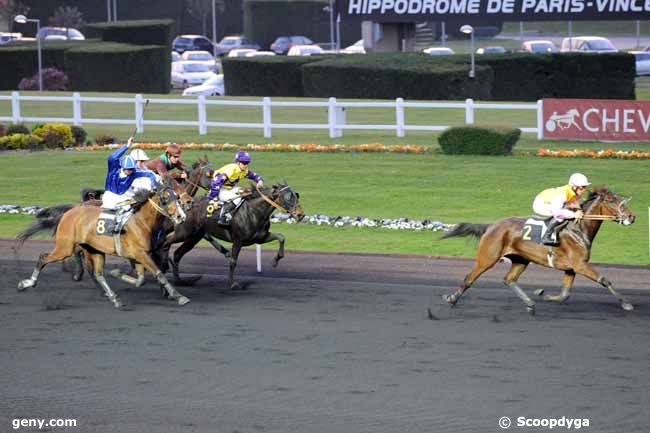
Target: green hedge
[(139, 32), (475, 140), (113, 67), (265, 76)]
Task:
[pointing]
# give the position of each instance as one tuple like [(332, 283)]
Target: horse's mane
[(198, 163), (267, 190), (140, 198), (593, 195)]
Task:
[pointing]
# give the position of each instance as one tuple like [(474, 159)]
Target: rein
[(599, 217), (160, 210), (269, 201)]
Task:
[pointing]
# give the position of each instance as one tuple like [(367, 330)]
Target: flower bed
[(277, 147), (596, 154)]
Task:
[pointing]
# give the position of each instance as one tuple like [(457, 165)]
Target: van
[(589, 44)]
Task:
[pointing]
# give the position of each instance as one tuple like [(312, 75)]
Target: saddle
[(534, 228), (106, 222)]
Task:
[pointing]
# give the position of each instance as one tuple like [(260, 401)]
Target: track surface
[(324, 343)]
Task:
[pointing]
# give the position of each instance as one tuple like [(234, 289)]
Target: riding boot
[(550, 237), (121, 217), (225, 215)]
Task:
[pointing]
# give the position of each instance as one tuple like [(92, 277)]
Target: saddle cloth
[(106, 222), (534, 229)]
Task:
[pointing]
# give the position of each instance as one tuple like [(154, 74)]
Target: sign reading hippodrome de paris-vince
[(478, 11)]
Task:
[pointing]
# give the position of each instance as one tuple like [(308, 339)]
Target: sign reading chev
[(596, 119), (477, 11)]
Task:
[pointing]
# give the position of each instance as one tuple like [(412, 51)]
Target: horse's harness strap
[(269, 201), (160, 210)]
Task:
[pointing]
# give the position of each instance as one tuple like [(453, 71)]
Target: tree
[(66, 16), (202, 9), (9, 9)]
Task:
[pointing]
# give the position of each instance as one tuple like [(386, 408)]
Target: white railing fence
[(336, 117)]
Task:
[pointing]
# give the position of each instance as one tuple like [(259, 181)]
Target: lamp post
[(214, 28), (469, 30), (22, 19)]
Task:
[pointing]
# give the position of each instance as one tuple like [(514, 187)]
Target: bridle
[(161, 210), (201, 174), (273, 202), (619, 217)]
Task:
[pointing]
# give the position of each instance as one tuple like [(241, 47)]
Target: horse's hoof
[(77, 277), (182, 300), (116, 273), (450, 299), (275, 262), (25, 284), (539, 292), (530, 309), (236, 286), (627, 306), (117, 303)]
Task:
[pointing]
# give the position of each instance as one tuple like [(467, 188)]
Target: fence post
[(469, 111), (540, 119), (139, 114), (399, 114), (331, 117), (258, 254), (266, 116), (15, 107), (203, 128), (76, 108)]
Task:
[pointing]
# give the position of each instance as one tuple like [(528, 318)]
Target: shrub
[(53, 79), (55, 135), (19, 141), (18, 128), (479, 140), (104, 139), (79, 134)]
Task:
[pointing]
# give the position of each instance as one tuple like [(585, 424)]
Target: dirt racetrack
[(325, 343)]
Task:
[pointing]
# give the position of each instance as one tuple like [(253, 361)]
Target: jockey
[(168, 161), (552, 201), (223, 186), (123, 180), (141, 159)]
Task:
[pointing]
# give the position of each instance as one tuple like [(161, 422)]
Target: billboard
[(596, 119), (486, 11)]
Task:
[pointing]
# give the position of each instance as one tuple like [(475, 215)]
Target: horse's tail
[(46, 219), (467, 229)]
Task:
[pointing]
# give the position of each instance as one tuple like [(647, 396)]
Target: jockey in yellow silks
[(552, 201)]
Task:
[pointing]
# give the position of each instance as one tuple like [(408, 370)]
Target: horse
[(80, 226), (250, 225), (506, 238)]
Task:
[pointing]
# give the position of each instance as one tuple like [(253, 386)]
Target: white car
[(186, 74), (588, 44), (176, 57), (212, 87), (201, 57), (304, 50), (355, 48), (539, 47), (260, 54), (240, 52), (438, 51), (8, 37), (642, 62)]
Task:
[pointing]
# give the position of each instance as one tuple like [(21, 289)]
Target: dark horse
[(250, 225), (77, 226), (504, 238)]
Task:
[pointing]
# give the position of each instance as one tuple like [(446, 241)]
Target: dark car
[(283, 44), (184, 43)]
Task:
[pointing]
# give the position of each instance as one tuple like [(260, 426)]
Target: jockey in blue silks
[(122, 182)]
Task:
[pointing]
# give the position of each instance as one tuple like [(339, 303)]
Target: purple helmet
[(242, 156), (128, 163)]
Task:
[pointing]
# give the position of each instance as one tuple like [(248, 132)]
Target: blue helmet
[(242, 156), (128, 163)]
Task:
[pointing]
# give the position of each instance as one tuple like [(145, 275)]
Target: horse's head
[(602, 201), (202, 172), (182, 195), (289, 200), (169, 202)]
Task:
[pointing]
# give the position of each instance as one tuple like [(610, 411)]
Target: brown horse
[(78, 226), (505, 238)]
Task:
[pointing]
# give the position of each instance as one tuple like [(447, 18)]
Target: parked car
[(176, 57), (184, 43), (642, 62), (283, 44), (213, 86), (438, 51), (260, 54), (241, 52), (62, 33), (235, 42), (186, 73), (591, 44), (539, 47), (304, 50), (5, 37), (491, 50), (201, 57), (355, 48)]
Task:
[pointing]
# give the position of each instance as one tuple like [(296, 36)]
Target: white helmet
[(578, 179), (139, 155)]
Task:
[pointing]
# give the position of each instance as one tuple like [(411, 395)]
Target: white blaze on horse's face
[(179, 216)]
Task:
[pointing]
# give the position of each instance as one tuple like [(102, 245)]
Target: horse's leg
[(137, 282), (510, 280), (588, 271), (275, 237), (143, 258), (183, 249), (223, 250), (234, 254), (62, 249), (567, 284), (78, 260), (484, 261), (98, 266)]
